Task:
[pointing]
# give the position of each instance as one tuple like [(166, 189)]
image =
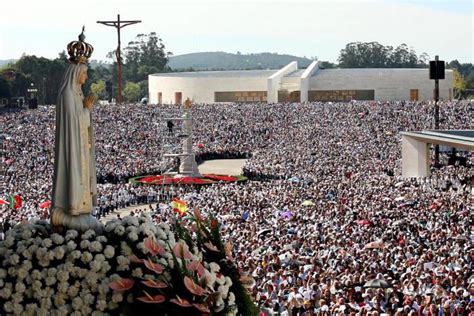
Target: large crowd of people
[(325, 209)]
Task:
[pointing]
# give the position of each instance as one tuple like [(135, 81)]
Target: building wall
[(200, 90), (389, 84)]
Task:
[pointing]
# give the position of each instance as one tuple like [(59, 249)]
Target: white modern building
[(290, 84)]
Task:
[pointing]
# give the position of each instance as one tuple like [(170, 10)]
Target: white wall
[(305, 78), (273, 82), (389, 84), (200, 89)]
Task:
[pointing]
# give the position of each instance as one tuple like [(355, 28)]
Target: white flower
[(22, 273), (119, 230), (59, 252), (26, 234), (71, 245), (52, 272), (63, 287), (3, 273), (44, 262), (88, 234), (73, 291), (117, 297), (228, 281), (50, 281), (84, 244), (88, 299), (137, 273), (8, 307), (161, 234), (95, 265), (31, 308), (109, 252), (36, 274), (101, 239), (214, 267), (99, 257), (73, 255), (126, 250), (105, 266), (47, 243), (71, 234), (223, 290), (14, 259), (17, 309), (101, 305), (9, 241), (86, 257), (5, 292), (95, 246), (133, 236), (130, 220), (231, 300), (12, 271), (123, 263), (57, 239)]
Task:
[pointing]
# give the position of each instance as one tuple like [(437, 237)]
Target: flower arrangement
[(136, 265)]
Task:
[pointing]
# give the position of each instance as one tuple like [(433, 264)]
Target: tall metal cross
[(118, 25)]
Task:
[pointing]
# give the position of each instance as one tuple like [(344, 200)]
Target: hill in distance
[(218, 61), (229, 61)]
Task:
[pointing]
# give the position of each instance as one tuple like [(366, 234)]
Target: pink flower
[(193, 287), (151, 299), (121, 285), (181, 250), (198, 215), (153, 266), (202, 308), (155, 284), (153, 247), (210, 246), (181, 302), (135, 259), (196, 266)]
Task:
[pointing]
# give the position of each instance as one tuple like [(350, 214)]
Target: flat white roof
[(220, 74), (453, 138)]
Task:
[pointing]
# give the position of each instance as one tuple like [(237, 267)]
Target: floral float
[(135, 267)]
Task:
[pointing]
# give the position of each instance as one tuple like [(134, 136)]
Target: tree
[(144, 56), (45, 73), (375, 55), (98, 89), (459, 86), (5, 89), (131, 92)]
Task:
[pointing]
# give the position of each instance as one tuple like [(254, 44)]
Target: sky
[(311, 28)]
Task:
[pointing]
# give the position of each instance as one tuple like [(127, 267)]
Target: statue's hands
[(89, 101)]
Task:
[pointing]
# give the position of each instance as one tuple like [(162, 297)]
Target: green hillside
[(228, 61)]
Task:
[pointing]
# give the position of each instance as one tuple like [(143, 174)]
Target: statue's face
[(83, 77)]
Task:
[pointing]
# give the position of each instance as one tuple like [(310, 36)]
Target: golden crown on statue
[(79, 51)]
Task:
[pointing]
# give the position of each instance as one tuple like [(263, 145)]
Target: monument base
[(61, 220)]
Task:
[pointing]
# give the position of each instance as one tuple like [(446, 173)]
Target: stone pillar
[(188, 166), (415, 158)]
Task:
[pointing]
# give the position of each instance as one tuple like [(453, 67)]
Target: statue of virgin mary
[(74, 180)]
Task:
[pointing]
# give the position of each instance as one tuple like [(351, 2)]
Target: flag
[(179, 206), (15, 201)]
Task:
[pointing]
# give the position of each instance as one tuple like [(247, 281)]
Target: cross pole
[(118, 25)]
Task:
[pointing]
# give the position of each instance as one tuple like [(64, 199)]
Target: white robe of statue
[(74, 180)]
